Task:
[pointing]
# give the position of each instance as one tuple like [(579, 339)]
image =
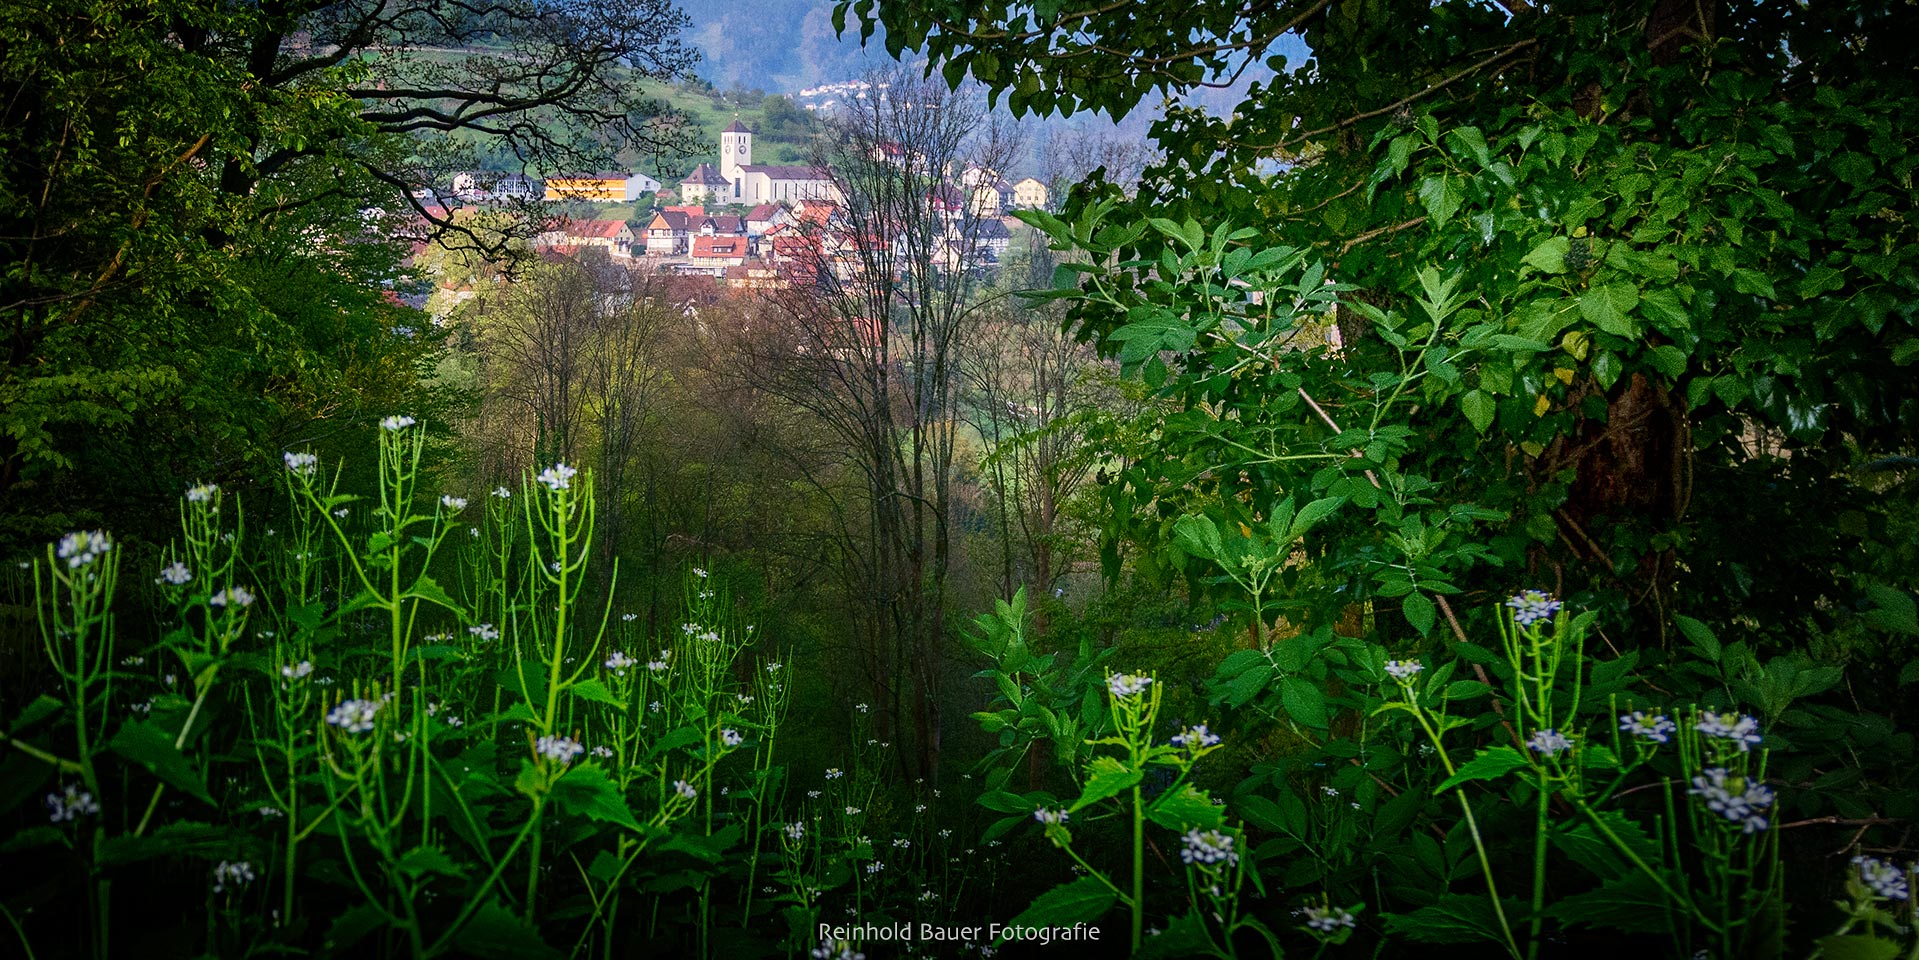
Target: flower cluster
[(1210, 846), (302, 463), (558, 749), (685, 789), (82, 547), (1051, 817), (297, 671), (1328, 919), (619, 662), (176, 573), (236, 873), (1741, 800), (837, 950), (453, 503), (396, 423), (202, 493), (484, 631), (834, 773), (796, 831), (557, 477), (70, 803), (731, 738), (354, 716), (1124, 685), (1657, 728), (1195, 738), (1743, 730), (1549, 743), (1533, 606), (1885, 880), (232, 596), (1404, 670)]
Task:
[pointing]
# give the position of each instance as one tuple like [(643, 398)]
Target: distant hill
[(780, 46)]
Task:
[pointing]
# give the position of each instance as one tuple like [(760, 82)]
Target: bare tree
[(1067, 157), (871, 343)]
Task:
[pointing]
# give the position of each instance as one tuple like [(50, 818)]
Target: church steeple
[(736, 150)]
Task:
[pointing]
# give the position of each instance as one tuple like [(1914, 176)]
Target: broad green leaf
[(1549, 255), (1185, 810), (1420, 612), (1078, 901), (584, 790), (1700, 636), (1479, 408), (1857, 946), (1632, 903), (1106, 777), (1184, 936), (1453, 918), (496, 933), (420, 861), (592, 690), (1303, 701), (152, 748), (1606, 307), (1490, 764)]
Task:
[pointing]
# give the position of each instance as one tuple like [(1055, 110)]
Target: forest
[(1461, 501)]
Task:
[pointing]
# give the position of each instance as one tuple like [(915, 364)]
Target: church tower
[(736, 151)]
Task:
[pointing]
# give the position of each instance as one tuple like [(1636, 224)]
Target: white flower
[(295, 671), (341, 513), (133, 661), (1741, 800), (396, 423), (452, 502), (1195, 738), (699, 573), (1532, 606), (629, 617), (772, 668), (453, 721), (812, 794), (484, 631), (685, 789), (656, 666), (1210, 846), (1051, 817), (238, 873), (82, 547), (1658, 729), (354, 716), (653, 707), (902, 843), (1404, 670), (837, 950), (302, 463), (71, 802), (170, 679), (1123, 685), (202, 493), (236, 596), (557, 477), (834, 773), (874, 867), (176, 573), (619, 661), (559, 749), (743, 698), (1329, 791), (271, 813), (1549, 743), (861, 707), (731, 737), (796, 831), (852, 811), (503, 493), (1886, 881), (1328, 919), (1743, 730)]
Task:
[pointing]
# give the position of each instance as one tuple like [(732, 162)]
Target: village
[(753, 226)]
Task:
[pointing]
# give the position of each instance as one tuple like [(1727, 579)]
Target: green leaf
[(1700, 636), (1453, 918), (1079, 901), (496, 933), (1550, 255), (1303, 701), (1441, 197), (593, 691), (1248, 685), (1632, 903), (182, 838), (1107, 777), (420, 861), (1490, 764), (150, 747), (1857, 946), (1420, 612), (1185, 810), (584, 790), (1606, 307), (1199, 536)]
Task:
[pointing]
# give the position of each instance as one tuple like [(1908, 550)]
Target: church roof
[(785, 172), (736, 127)]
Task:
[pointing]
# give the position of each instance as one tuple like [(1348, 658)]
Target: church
[(740, 180)]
